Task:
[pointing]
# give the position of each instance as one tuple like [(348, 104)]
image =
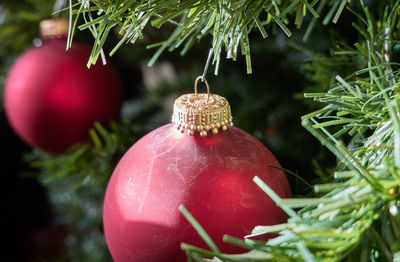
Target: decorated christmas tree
[(315, 81)]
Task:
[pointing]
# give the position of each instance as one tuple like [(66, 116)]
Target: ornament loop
[(195, 87)]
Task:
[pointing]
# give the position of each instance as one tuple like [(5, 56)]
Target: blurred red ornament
[(51, 98), (211, 175)]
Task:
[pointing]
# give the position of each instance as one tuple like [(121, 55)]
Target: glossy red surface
[(211, 176), (51, 98)]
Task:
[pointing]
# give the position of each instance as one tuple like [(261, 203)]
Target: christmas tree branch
[(359, 207), (196, 20)]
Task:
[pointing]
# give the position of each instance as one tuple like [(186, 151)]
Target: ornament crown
[(54, 28), (201, 112)]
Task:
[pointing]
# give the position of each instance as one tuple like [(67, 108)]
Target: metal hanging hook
[(211, 52), (195, 87)]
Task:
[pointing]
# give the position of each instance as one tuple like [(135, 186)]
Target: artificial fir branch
[(194, 20), (76, 181), (358, 218)]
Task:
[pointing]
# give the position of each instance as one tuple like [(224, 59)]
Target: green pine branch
[(228, 21), (356, 217)]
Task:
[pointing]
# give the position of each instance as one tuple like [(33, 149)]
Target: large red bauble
[(51, 98), (211, 176)]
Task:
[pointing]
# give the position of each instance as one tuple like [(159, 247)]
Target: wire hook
[(210, 53), (195, 87)]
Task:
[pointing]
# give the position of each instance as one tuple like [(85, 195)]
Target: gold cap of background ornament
[(54, 28), (201, 112)]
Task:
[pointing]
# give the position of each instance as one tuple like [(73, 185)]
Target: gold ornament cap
[(54, 28), (201, 112)]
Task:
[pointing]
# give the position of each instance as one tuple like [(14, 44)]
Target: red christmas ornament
[(51, 98), (211, 175)]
